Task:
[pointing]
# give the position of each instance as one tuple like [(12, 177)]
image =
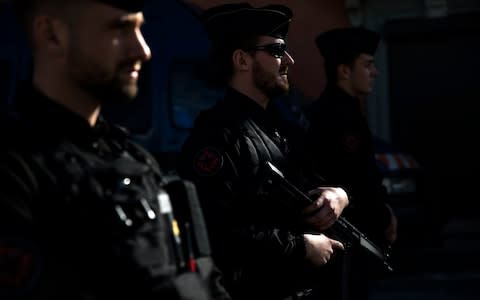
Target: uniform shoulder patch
[(208, 161), (351, 143)]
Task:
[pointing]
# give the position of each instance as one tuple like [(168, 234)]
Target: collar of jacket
[(241, 106), (50, 119)]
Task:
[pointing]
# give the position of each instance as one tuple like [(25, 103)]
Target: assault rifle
[(342, 230)]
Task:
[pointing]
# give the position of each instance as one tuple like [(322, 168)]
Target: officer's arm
[(223, 192)]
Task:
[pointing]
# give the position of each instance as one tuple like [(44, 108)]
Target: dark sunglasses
[(276, 50)]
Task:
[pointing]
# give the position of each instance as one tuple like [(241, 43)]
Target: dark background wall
[(434, 94)]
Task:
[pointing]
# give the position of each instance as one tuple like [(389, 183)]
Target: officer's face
[(362, 76), (106, 51), (269, 71)]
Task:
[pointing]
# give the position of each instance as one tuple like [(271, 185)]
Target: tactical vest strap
[(143, 155), (263, 145), (188, 210)]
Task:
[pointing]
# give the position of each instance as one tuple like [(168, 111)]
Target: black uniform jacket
[(80, 211), (256, 240), (341, 150)]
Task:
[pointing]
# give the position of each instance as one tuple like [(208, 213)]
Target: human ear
[(241, 60), (344, 71), (50, 33)]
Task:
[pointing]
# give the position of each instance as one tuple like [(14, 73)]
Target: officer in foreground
[(266, 248), (84, 212)]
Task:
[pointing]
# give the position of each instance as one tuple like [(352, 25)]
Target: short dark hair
[(26, 10), (331, 67), (344, 45), (221, 57)]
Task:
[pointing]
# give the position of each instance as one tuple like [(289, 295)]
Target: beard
[(110, 89), (101, 81), (270, 84)]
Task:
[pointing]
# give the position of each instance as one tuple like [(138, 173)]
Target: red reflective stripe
[(393, 162), (397, 161), (405, 161), (192, 264), (383, 159)]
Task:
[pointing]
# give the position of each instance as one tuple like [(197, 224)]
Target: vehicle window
[(189, 92), (137, 114)]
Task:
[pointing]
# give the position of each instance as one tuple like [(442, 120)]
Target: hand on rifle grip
[(320, 248)]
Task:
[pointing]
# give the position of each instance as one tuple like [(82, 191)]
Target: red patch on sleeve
[(208, 161), (351, 143), (17, 267)]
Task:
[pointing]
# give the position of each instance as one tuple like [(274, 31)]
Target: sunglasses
[(276, 50)]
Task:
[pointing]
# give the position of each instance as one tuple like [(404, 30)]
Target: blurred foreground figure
[(84, 212)]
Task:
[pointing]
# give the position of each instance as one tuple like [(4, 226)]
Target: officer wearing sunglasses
[(263, 247), (277, 50)]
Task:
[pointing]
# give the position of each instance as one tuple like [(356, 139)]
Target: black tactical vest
[(106, 222)]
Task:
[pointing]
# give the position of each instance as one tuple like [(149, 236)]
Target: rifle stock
[(341, 229)]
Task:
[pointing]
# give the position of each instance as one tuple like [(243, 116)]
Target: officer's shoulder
[(329, 105), (218, 115), (213, 124), (318, 109), (210, 136)]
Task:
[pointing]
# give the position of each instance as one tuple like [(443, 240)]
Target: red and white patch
[(208, 161), (20, 265), (351, 143)]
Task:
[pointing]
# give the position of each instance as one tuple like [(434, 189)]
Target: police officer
[(339, 139), (84, 212), (265, 248)]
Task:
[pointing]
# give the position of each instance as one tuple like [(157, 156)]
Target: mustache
[(283, 70), (134, 65)]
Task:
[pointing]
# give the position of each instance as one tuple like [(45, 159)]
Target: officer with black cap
[(259, 242), (85, 213), (340, 143)]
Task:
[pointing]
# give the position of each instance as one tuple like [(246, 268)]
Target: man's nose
[(141, 50)]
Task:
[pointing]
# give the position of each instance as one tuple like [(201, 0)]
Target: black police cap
[(341, 45), (233, 20), (128, 5)]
